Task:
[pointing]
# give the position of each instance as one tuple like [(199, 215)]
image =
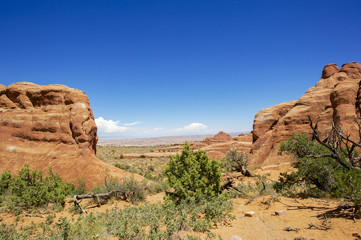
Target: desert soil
[(264, 224)]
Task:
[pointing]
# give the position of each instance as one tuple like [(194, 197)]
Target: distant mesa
[(50, 126), (332, 99)]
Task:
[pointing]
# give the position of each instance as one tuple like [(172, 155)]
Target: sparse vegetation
[(150, 221)]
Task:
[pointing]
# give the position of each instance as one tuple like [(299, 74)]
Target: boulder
[(329, 70)]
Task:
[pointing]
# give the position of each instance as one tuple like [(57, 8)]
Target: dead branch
[(77, 204), (227, 185), (335, 145), (319, 227), (97, 197)]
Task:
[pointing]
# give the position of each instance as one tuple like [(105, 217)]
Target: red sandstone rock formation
[(219, 138), (332, 99), (216, 147), (50, 126)]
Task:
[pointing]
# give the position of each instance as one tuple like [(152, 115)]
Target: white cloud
[(193, 127), (109, 126), (131, 124)]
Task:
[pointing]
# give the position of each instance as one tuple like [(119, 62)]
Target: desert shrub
[(57, 189), (81, 186), (192, 175), (348, 184), (4, 181), (30, 189), (122, 166), (134, 190), (235, 162), (318, 176), (158, 186), (111, 184)]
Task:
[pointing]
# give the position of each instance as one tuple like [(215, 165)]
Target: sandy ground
[(264, 224)]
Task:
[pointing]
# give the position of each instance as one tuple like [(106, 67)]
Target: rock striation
[(50, 126), (332, 99)]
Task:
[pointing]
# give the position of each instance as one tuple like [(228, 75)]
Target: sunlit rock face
[(50, 126), (332, 99)]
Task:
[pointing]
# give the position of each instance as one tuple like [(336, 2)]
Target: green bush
[(193, 175), (30, 189), (348, 184), (134, 190), (57, 189), (235, 162), (122, 166), (5, 181), (81, 188), (318, 176)]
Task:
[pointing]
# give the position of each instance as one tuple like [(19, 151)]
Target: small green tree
[(192, 175)]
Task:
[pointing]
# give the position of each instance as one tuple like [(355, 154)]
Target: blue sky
[(176, 67)]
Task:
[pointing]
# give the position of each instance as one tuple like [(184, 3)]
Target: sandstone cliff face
[(332, 99), (50, 126)]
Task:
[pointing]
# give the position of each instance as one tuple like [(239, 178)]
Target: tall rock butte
[(50, 126), (332, 99)]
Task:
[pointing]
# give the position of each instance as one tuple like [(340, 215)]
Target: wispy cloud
[(193, 127), (118, 129), (132, 124)]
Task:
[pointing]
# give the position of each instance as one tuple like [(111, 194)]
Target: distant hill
[(154, 141)]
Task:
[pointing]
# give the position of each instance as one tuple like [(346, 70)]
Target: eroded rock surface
[(332, 99), (50, 126)]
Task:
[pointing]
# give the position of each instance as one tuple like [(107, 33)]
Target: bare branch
[(331, 144)]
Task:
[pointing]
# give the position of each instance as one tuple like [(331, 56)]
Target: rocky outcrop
[(218, 138), (216, 147), (50, 126), (332, 99)]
